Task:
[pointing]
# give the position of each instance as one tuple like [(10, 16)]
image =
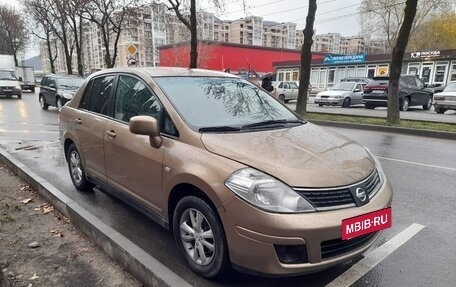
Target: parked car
[(57, 90), (343, 94), (287, 91), (357, 79), (239, 178), (446, 100), (412, 92)]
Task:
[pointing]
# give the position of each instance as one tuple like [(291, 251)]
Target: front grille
[(336, 247), (324, 97), (339, 197)]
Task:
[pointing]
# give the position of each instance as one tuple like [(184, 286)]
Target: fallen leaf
[(47, 209), (27, 200), (34, 277), (54, 231), (58, 235)]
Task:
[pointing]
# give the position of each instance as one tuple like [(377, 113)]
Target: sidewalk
[(41, 247), (415, 113)]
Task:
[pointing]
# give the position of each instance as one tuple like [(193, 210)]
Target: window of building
[(440, 72), (413, 69), (453, 72)]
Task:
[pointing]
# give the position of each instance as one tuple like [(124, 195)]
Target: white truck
[(9, 84), (27, 74)]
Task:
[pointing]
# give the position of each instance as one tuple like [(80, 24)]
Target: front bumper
[(330, 101), (252, 235), (445, 105)]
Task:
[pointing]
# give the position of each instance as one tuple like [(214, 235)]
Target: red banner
[(366, 223)]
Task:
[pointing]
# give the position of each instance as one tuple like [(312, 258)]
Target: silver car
[(342, 94), (287, 91), (446, 100)]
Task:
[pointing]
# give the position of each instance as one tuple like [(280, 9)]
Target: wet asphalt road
[(422, 172)]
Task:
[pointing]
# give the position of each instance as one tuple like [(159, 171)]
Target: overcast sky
[(338, 16)]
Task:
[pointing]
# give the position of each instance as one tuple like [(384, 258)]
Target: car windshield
[(451, 87), (69, 83), (208, 103), (343, 86), (7, 75)]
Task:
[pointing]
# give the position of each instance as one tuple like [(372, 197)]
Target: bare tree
[(14, 33), (75, 10), (393, 116), (45, 32), (109, 16), (306, 58), (383, 18)]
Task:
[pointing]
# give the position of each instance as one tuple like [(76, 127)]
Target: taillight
[(439, 98)]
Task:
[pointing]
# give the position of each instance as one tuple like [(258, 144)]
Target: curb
[(407, 131), (143, 266)]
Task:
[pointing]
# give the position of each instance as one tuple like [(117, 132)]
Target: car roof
[(168, 72)]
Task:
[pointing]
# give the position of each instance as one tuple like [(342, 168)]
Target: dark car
[(57, 90), (412, 92)]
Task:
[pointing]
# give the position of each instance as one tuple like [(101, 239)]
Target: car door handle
[(78, 121), (111, 134)]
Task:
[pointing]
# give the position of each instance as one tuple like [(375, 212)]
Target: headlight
[(377, 165), (266, 192), (67, 96), (18, 87)]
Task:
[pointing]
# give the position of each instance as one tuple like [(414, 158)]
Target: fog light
[(291, 254)]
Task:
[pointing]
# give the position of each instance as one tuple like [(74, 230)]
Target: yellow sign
[(131, 49), (382, 71)]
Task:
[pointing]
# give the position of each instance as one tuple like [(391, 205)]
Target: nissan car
[(239, 179)]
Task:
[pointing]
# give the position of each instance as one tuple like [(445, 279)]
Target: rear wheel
[(19, 96), (404, 106), (200, 237), (440, 110), (320, 105), (43, 103), (282, 98), (346, 103), (33, 90), (428, 104), (76, 168)]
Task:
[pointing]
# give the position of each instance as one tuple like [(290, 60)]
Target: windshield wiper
[(220, 129), (272, 123)]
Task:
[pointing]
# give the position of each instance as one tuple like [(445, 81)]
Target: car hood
[(302, 156), (8, 83), (333, 93)]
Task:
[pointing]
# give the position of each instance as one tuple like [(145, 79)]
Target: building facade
[(433, 67)]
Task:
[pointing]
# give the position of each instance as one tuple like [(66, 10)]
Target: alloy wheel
[(197, 237), (75, 167)]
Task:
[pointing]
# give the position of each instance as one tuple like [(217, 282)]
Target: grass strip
[(422, 125)]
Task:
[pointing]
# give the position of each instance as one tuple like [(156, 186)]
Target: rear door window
[(97, 95)]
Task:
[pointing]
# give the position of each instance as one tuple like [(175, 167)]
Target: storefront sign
[(344, 59), (425, 54)]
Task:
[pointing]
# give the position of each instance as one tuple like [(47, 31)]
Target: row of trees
[(13, 33)]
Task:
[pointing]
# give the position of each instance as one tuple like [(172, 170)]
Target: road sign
[(131, 49)]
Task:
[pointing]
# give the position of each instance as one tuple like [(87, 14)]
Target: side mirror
[(52, 86), (356, 90), (146, 125)]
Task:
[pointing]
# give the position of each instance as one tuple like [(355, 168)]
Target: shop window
[(439, 76), (295, 76), (331, 75), (453, 73)]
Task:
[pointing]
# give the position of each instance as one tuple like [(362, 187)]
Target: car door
[(133, 166), (423, 94), (357, 94), (293, 91), (90, 125), (51, 90)]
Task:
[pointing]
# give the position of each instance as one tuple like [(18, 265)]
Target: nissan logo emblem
[(361, 194)]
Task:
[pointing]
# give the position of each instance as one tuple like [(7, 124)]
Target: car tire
[(282, 98), (19, 96), (196, 248), (428, 105), (346, 103), (286, 101), (43, 103), (320, 105), (32, 90), (76, 169), (440, 110), (58, 103), (404, 104)]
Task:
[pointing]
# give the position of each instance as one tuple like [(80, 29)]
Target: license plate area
[(366, 223), (378, 91)]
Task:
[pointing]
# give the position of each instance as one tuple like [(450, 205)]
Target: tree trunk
[(306, 58), (49, 48), (193, 38), (393, 116)]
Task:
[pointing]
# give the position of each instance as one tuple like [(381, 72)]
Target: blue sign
[(344, 59)]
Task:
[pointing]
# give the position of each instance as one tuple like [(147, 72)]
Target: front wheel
[(199, 236), (76, 168), (404, 106), (428, 104), (440, 110), (346, 103), (43, 104), (282, 98)]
